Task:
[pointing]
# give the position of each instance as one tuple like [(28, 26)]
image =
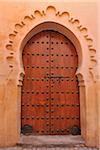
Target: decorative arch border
[(18, 38), (52, 14)]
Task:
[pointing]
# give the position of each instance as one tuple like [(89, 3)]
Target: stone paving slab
[(67, 142), (48, 148), (53, 140)]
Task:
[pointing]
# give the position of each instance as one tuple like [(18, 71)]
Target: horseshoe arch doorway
[(50, 94)]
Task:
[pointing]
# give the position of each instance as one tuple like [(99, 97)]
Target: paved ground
[(50, 143), (48, 148)]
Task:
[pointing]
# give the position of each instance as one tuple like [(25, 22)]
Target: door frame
[(66, 32), (65, 24), (85, 77)]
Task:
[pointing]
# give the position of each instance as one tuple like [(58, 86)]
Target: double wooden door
[(50, 94)]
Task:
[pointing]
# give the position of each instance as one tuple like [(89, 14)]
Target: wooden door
[(50, 94)]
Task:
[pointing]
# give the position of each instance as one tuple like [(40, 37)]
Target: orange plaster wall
[(13, 11)]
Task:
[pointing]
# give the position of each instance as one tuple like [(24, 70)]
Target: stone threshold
[(51, 141)]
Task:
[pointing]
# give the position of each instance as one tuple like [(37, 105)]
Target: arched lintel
[(50, 25)]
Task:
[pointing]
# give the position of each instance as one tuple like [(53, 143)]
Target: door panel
[(63, 87), (35, 60), (50, 94)]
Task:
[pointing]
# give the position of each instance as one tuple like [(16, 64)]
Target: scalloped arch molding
[(51, 11)]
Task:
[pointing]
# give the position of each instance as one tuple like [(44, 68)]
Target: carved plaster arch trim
[(29, 19)]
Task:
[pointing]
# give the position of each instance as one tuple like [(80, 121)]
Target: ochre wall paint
[(13, 13)]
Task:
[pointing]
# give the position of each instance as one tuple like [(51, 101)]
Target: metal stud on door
[(50, 94)]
